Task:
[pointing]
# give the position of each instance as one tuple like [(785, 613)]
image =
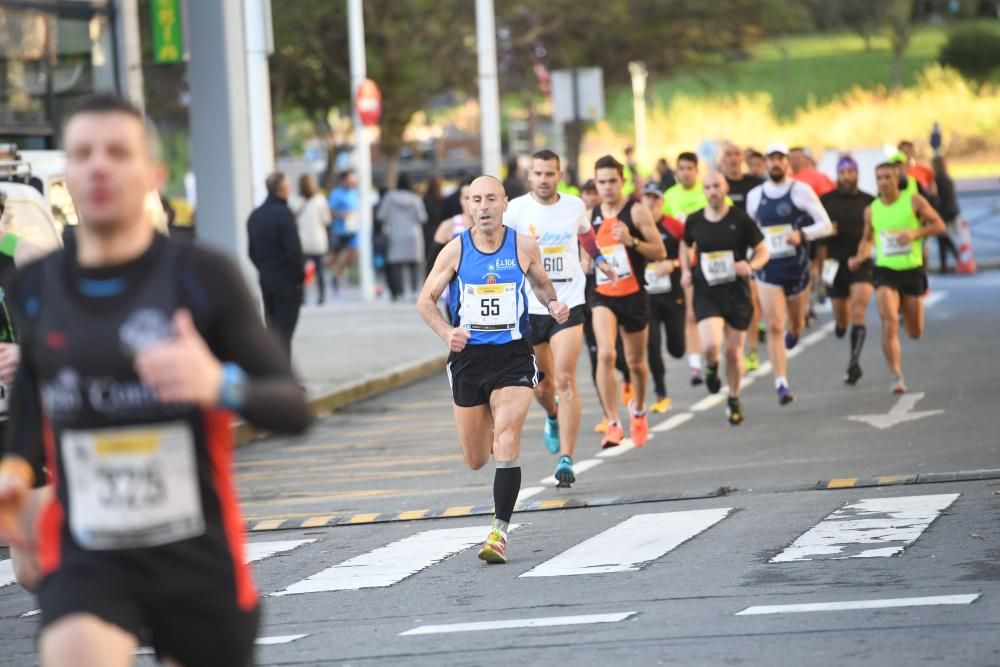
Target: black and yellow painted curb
[(896, 480), (327, 403), (329, 520)]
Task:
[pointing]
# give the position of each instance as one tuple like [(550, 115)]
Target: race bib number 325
[(132, 487), (490, 307)]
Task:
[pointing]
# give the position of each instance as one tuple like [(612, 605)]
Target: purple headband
[(847, 162)]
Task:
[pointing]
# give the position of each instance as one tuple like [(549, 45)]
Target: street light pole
[(489, 93), (639, 73), (362, 151)]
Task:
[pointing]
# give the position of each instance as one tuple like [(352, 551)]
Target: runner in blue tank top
[(790, 215), (491, 367)]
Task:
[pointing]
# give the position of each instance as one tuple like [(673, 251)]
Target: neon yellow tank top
[(887, 222)]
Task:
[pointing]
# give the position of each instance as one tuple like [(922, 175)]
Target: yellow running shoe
[(628, 393), (494, 548), (661, 405), (751, 363), (601, 426)]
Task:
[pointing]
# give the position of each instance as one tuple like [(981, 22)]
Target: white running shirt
[(555, 227)]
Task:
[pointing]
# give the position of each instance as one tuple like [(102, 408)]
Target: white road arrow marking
[(899, 413)]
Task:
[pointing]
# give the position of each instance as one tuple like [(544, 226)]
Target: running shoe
[(639, 429), (613, 436), (733, 411), (564, 472), (696, 377), (785, 396), (791, 341), (552, 434), (853, 374), (712, 380), (661, 405), (601, 426), (810, 317), (495, 547), (752, 362), (628, 393), (899, 386), (839, 332)]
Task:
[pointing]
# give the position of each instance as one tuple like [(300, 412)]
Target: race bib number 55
[(490, 307), (132, 487)]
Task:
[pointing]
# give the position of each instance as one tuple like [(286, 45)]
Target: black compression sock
[(506, 486), (858, 333)]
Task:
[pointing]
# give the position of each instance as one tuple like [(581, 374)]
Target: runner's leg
[(475, 434), (84, 640), (606, 332), (655, 347), (772, 301), (635, 344), (545, 392), (888, 302), (913, 316), (565, 348), (734, 359)]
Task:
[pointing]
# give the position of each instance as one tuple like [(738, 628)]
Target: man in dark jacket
[(275, 250)]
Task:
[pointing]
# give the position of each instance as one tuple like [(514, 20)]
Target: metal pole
[(362, 151), (489, 92), (257, 22), (129, 53), (639, 74)]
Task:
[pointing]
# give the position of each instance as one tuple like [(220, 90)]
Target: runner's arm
[(760, 256), (933, 224), (807, 200), (443, 232), (864, 252), (437, 281), (527, 247), (650, 246)]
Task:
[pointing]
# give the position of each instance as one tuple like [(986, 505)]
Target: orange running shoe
[(601, 426), (639, 430), (613, 436), (628, 393)]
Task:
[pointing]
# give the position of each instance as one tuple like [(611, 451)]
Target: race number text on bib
[(655, 283), (132, 487), (490, 307), (617, 257), (830, 269), (891, 245), (718, 267), (777, 240), (557, 260)]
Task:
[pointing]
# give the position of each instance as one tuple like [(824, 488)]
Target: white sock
[(694, 361), (780, 382)]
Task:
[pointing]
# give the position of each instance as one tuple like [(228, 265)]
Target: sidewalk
[(981, 207), (347, 350)]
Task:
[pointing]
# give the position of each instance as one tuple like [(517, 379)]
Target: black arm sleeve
[(234, 332)]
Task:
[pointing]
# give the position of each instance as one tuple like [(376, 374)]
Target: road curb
[(329, 402), (344, 519), (897, 480)]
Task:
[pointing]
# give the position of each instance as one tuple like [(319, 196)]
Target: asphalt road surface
[(803, 537)]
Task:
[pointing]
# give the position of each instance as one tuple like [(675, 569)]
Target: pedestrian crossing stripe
[(326, 521)]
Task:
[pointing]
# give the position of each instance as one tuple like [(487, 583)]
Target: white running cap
[(777, 148)]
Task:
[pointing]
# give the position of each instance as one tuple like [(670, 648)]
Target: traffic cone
[(966, 262)]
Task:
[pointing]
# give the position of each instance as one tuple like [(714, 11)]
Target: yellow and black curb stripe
[(244, 433), (330, 520), (896, 480)]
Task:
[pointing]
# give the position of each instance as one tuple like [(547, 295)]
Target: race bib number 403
[(718, 267), (490, 307), (777, 240), (132, 487), (617, 257)]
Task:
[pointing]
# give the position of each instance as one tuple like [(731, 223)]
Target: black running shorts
[(912, 282), (196, 630), (544, 327), (841, 287), (731, 302), (479, 370), (632, 311)]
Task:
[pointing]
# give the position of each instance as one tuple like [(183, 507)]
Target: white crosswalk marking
[(518, 623), (392, 563), (261, 641), (631, 544), (529, 492), (673, 422), (708, 402), (6, 572), (851, 605), (611, 452), (890, 523), (260, 550)]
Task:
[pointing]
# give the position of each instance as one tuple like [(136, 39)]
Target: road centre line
[(519, 623), (851, 605)]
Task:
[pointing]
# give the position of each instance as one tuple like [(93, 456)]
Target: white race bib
[(558, 262), (655, 283), (891, 245), (830, 269), (132, 487), (718, 267), (617, 257), (777, 240), (490, 307), (4, 397)]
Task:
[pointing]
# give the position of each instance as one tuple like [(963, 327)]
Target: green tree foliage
[(974, 51)]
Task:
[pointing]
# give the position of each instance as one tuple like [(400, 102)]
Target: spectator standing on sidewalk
[(947, 208), (434, 204), (313, 218), (403, 216), (275, 249)]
